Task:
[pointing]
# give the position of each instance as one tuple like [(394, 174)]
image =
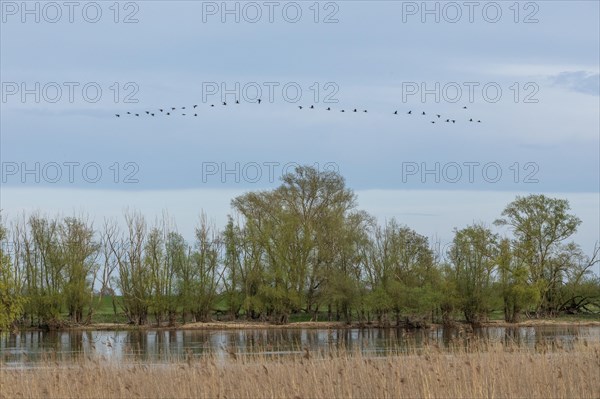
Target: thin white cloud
[(579, 81), (530, 70)]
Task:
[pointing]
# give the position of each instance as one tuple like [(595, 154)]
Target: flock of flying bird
[(193, 111)]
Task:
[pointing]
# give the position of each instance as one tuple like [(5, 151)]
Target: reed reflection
[(159, 346)]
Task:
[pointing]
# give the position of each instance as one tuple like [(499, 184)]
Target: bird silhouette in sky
[(224, 103)]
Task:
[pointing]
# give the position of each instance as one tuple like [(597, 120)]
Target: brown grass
[(488, 371)]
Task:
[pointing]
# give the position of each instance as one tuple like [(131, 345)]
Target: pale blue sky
[(370, 55)]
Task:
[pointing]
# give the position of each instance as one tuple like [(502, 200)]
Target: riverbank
[(486, 371), (248, 325)]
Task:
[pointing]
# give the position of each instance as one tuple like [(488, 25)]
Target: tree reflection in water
[(159, 346)]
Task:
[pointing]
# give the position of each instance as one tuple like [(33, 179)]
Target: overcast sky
[(530, 74)]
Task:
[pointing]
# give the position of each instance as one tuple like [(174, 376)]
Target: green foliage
[(79, 253), (541, 263), (401, 272), (379, 301), (11, 301), (301, 248), (134, 277), (516, 291), (473, 260), (292, 247)]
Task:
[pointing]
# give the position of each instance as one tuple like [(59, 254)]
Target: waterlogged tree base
[(249, 325)]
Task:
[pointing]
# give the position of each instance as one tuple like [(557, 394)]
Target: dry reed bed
[(486, 371)]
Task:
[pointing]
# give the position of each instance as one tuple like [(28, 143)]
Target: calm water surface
[(30, 349)]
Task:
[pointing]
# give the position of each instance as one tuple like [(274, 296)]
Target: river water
[(35, 348)]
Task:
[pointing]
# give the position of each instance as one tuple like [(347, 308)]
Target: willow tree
[(580, 288), (343, 253), (178, 259), (294, 226), (40, 258), (243, 271), (134, 279), (473, 259), (206, 269), (320, 206), (252, 241), (541, 228), (79, 253), (11, 301), (513, 275), (162, 300), (273, 231), (402, 274)]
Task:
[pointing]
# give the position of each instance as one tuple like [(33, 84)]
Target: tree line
[(303, 247)]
